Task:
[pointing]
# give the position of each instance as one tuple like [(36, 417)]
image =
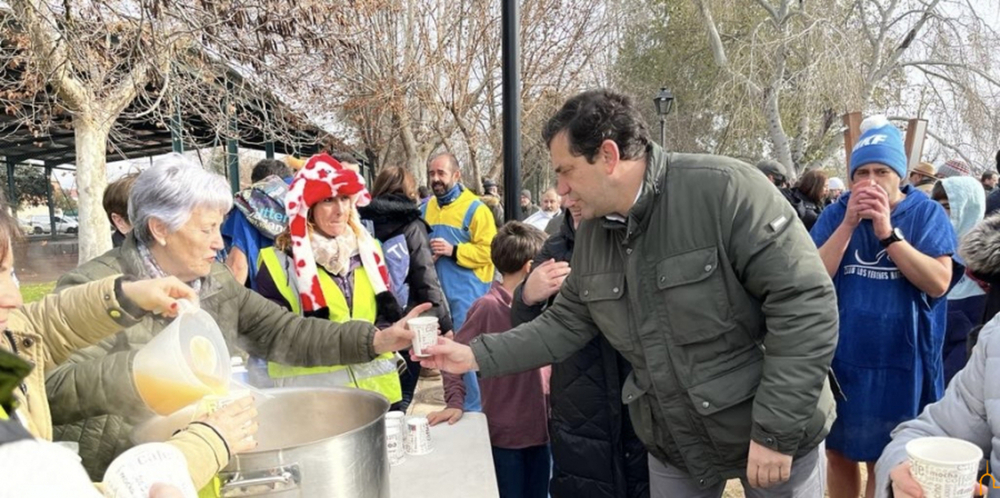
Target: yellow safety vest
[(379, 375)]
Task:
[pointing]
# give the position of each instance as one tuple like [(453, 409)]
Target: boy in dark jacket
[(515, 405), (595, 451)]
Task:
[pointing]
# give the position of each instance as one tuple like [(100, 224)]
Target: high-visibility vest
[(379, 375)]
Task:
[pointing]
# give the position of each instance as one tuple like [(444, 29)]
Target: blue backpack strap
[(470, 213)]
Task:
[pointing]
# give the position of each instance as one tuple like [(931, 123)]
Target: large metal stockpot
[(313, 442)]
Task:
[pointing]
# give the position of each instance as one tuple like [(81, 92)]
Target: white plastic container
[(185, 362)]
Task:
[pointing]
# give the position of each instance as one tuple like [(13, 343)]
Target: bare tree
[(93, 59), (771, 77)]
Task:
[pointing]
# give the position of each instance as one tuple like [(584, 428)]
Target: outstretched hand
[(448, 356), (398, 336)]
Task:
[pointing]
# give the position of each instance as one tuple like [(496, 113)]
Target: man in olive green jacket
[(93, 398), (699, 272)]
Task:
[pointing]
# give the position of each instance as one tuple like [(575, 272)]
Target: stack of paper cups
[(394, 440), (394, 445), (418, 436), (945, 467)]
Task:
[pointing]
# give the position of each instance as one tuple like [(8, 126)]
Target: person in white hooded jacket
[(970, 408), (963, 199)]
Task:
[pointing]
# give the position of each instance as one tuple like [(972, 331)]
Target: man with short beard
[(462, 230)]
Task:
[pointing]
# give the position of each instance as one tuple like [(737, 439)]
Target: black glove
[(322, 313), (388, 308)]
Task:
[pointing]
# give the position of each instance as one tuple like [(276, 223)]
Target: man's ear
[(611, 155)]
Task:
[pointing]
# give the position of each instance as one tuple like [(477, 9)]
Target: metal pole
[(663, 132), (269, 150), (232, 145), (511, 109), (176, 127), (11, 188), (51, 201)]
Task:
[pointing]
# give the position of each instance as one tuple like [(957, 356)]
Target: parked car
[(25, 226), (40, 224)]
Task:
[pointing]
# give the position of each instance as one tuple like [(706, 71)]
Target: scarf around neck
[(334, 253), (450, 196), (153, 269)]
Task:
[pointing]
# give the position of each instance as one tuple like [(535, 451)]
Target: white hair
[(170, 191)]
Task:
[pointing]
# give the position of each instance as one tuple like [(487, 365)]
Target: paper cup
[(395, 419), (134, 472), (425, 333), (394, 445), (945, 467), (418, 436)]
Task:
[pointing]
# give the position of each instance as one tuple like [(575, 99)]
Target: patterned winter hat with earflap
[(322, 177)]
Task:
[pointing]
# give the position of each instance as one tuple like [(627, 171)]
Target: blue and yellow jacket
[(468, 225)]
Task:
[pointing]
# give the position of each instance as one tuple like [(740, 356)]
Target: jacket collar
[(567, 229), (654, 177)]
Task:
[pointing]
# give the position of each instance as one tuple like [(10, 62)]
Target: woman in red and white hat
[(326, 265)]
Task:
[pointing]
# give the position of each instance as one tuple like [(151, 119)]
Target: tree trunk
[(782, 149), (91, 135), (413, 159)]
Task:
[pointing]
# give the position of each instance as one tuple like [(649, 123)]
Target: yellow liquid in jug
[(165, 396)]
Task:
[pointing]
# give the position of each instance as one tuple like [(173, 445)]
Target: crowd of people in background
[(659, 324)]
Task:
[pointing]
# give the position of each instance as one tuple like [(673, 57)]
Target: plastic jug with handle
[(185, 362)]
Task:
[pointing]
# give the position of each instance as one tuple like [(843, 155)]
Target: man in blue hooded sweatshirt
[(888, 250)]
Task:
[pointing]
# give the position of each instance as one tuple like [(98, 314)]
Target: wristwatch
[(896, 236)]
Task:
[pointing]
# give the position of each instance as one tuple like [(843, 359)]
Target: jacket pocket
[(602, 293), (693, 293), (725, 407), (639, 411)]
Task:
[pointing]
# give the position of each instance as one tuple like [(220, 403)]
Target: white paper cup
[(425, 333), (418, 436), (395, 419), (945, 467), (134, 472), (394, 445)]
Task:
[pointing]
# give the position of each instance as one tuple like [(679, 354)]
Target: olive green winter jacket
[(93, 398), (716, 295)]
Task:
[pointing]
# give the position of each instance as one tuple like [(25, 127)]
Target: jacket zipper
[(13, 348)]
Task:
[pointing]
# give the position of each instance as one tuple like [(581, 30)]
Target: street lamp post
[(664, 103)]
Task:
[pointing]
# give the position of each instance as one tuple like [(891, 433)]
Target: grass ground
[(34, 292)]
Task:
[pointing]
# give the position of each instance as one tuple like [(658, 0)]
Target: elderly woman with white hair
[(176, 208)]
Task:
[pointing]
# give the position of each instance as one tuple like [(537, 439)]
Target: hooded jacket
[(967, 205), (394, 215), (594, 446), (966, 301)]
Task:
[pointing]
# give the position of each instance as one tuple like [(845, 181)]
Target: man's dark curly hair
[(594, 116)]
